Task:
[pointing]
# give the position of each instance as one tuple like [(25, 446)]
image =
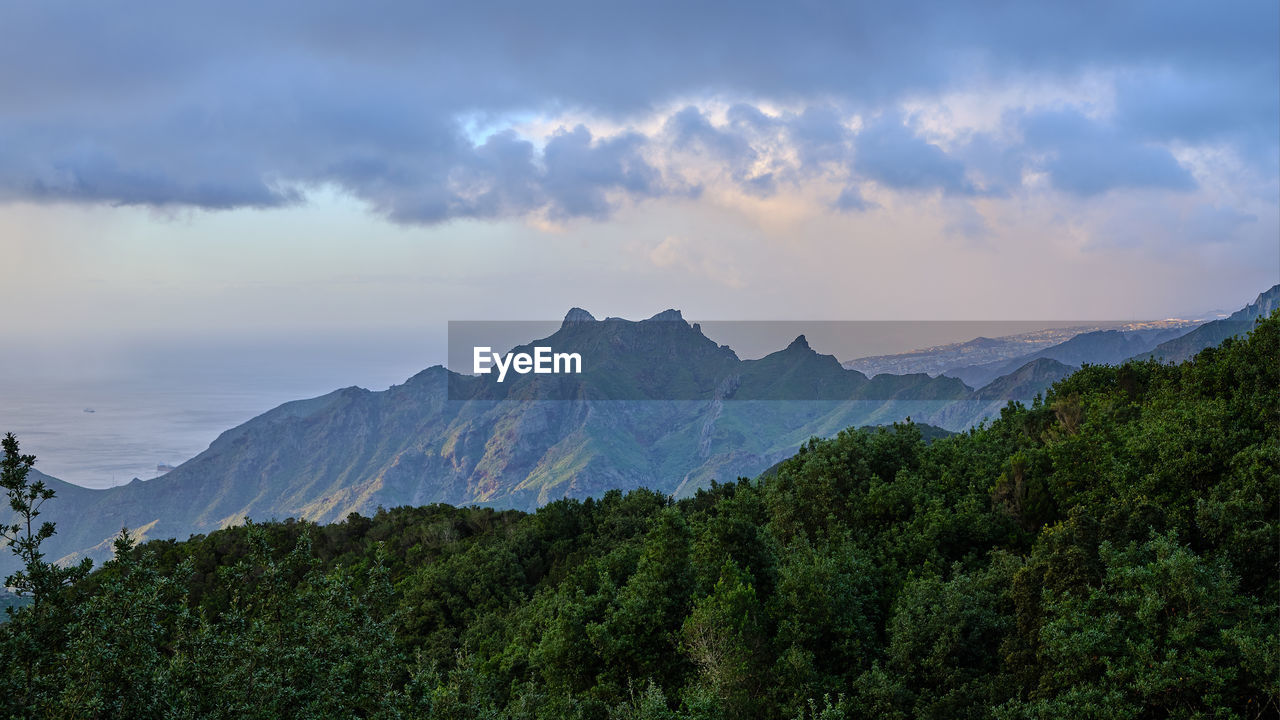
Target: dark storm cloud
[(241, 104)]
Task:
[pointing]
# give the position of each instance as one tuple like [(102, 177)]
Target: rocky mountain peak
[(668, 316), (578, 315), (1262, 306), (800, 343)]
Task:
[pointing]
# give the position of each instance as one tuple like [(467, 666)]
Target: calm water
[(164, 402)]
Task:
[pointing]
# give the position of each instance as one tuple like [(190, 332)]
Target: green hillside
[(1110, 552)]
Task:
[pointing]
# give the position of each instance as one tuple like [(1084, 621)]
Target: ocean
[(101, 413)]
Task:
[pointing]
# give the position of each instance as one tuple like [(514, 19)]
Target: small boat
[(90, 410)]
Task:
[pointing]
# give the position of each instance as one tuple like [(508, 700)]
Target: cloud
[(690, 129), (1215, 224), (729, 148), (820, 136), (1206, 108), (250, 105), (851, 200), (997, 163), (891, 154), (1087, 157), (93, 174), (580, 172)]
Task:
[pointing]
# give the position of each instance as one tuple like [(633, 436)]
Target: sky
[(354, 171)]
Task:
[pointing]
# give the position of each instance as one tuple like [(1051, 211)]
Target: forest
[(1110, 551)]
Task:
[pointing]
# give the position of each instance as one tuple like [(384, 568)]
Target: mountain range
[(1096, 347), (1183, 347), (939, 359), (981, 361), (661, 405)]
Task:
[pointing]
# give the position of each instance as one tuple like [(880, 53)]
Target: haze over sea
[(162, 401)]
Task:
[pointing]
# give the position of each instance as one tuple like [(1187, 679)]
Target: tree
[(24, 537), (118, 659), (722, 636), (36, 633), (1166, 633)]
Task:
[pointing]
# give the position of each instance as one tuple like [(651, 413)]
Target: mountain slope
[(1101, 347), (1021, 385), (1213, 333), (978, 351)]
